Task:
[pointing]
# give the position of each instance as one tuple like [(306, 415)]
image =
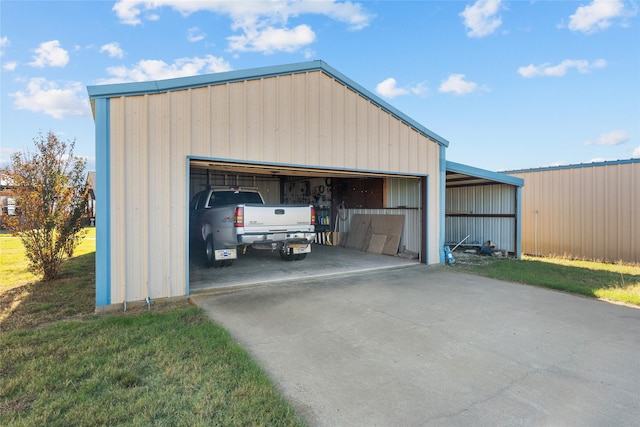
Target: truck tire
[(210, 253)]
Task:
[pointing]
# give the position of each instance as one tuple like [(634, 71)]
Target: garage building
[(290, 130), (584, 211)]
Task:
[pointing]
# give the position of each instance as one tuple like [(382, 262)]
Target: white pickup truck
[(228, 218)]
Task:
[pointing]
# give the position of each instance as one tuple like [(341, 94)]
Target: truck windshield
[(219, 198)]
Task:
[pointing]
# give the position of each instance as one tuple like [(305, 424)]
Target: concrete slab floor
[(259, 267)]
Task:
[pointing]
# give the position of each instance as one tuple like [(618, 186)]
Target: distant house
[(585, 211)]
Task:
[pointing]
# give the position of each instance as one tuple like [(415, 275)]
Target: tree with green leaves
[(51, 197)]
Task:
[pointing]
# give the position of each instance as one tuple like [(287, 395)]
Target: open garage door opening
[(336, 221)]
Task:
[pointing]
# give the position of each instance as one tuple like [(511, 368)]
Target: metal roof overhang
[(459, 175)]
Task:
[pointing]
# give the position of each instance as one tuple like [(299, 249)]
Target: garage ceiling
[(255, 169)]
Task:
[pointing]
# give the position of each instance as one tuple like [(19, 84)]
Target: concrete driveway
[(424, 346)]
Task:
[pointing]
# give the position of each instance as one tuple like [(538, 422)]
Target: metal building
[(294, 120), (584, 211)]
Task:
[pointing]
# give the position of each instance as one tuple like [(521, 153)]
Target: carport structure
[(481, 205), (157, 142)]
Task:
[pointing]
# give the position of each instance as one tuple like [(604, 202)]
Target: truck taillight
[(313, 215), (238, 217)]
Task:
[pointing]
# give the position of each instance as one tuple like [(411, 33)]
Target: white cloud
[(481, 19), (263, 26), (269, 40), (113, 49), (597, 16), (9, 66), (42, 96), (456, 84), (151, 69), (388, 88), (547, 70), (636, 153), (615, 137), (194, 35), (50, 54), (4, 42)]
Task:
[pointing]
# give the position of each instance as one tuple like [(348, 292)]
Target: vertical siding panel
[(255, 126), (414, 149), (219, 122), (361, 133), (403, 148), (285, 114), (394, 145), (180, 147), (270, 114), (338, 120), (237, 121), (325, 122), (350, 154), (373, 137), (201, 114), (383, 140), (300, 119), (314, 137), (158, 198)]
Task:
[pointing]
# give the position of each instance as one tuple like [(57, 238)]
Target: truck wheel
[(210, 253)]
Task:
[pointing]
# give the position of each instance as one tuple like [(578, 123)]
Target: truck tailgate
[(277, 218)]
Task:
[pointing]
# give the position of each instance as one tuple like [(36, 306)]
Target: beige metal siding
[(301, 119), (588, 212)]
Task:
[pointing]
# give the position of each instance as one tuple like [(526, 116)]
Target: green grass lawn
[(63, 365), (611, 282)]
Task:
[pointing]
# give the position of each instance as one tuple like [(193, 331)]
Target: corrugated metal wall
[(489, 202), (586, 212), (299, 119)]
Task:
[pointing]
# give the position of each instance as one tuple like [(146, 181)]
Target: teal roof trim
[(485, 174), (161, 86), (576, 166)]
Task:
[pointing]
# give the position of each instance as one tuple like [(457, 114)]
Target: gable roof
[(181, 83)]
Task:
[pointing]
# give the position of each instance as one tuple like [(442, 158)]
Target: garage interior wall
[(588, 211), (307, 118)]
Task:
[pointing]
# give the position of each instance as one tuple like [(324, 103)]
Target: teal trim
[(160, 86), (103, 204), (426, 219), (485, 174), (443, 200), (518, 223), (187, 231), (575, 166)]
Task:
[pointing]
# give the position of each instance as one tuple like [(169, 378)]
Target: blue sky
[(510, 84)]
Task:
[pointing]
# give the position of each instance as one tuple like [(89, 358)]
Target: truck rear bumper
[(276, 241)]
